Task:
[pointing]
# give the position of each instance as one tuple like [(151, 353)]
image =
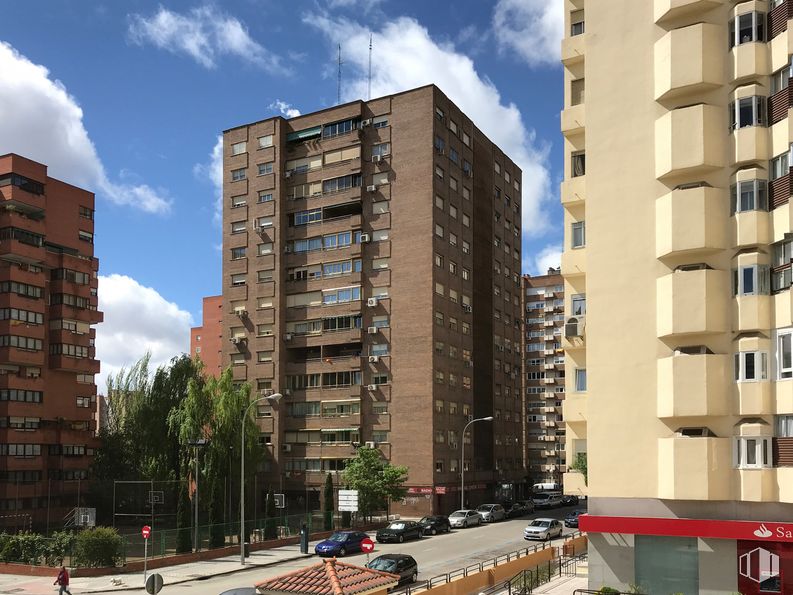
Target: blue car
[(340, 543)]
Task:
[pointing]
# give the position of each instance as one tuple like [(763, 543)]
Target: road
[(435, 555)]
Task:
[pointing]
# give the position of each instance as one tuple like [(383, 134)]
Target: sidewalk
[(28, 585), (565, 585)]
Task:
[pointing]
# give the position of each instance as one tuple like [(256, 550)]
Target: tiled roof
[(329, 577)]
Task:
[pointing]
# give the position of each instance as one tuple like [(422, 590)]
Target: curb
[(195, 578)]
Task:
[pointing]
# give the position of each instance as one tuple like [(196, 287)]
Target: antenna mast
[(370, 68), (338, 92)]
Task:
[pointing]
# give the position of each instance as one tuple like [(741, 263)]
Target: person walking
[(63, 581)]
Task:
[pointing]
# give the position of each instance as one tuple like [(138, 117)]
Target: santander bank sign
[(714, 529)]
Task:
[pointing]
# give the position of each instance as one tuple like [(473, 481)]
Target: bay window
[(749, 111), (746, 28), (749, 195), (784, 354), (752, 279), (751, 366), (752, 452)]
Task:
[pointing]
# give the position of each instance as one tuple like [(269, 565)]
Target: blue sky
[(127, 99)]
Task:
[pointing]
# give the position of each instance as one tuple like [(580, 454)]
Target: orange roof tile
[(329, 577)]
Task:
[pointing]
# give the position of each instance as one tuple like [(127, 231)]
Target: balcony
[(689, 141), (574, 408), (757, 485), (693, 385), (692, 302), (694, 468), (751, 228), (751, 313), (574, 263), (573, 120), (755, 398), (750, 61), (573, 49), (750, 144), (665, 10), (574, 484), (73, 364), (690, 221), (573, 191), (689, 61)]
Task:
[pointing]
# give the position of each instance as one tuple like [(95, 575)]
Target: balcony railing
[(778, 18), (779, 191), (778, 105)]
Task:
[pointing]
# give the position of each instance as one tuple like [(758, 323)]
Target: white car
[(543, 529), (465, 519)]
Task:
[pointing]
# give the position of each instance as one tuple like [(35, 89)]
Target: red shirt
[(63, 577)]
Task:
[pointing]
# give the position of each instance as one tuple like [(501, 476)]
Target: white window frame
[(580, 373), (739, 365), (784, 372), (761, 280), (574, 227), (759, 446)]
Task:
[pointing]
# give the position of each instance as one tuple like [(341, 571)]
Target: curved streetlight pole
[(274, 398), (462, 458)]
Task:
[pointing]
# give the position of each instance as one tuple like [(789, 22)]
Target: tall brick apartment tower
[(206, 341), (48, 304), (371, 274)]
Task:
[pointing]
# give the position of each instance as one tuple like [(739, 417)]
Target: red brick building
[(205, 340), (48, 306)]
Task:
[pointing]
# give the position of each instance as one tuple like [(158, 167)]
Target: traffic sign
[(146, 531), (154, 584), (367, 545), (280, 500), (348, 500)]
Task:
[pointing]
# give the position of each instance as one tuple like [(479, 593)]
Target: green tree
[(376, 480), (328, 503), (183, 539), (270, 517), (580, 465)]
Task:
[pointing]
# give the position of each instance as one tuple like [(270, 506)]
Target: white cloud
[(406, 57), (213, 171), (43, 122), (364, 5), (285, 108), (204, 34), (539, 263), (137, 319), (530, 28)]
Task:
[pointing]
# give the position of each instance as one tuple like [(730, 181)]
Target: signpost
[(348, 500), (280, 500), (154, 584), (145, 532), (367, 546)]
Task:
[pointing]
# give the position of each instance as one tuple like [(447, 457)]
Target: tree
[(580, 465), (376, 480), (183, 541), (270, 518), (328, 503)]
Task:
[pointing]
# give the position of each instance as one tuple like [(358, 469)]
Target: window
[(381, 150), (752, 452), (85, 212), (439, 230), (749, 195), (466, 193), (265, 196), (580, 380), (452, 239), (780, 79), (341, 183), (578, 234), (577, 164), (466, 247), (454, 156), (337, 128), (439, 171), (237, 253), (576, 23), (784, 426), (439, 318), (265, 141), (266, 248), (439, 289), (577, 92), (238, 201), (239, 148), (748, 111), (751, 366), (578, 305), (747, 28), (466, 220), (306, 217), (439, 113), (453, 211), (784, 354), (466, 140), (452, 267), (265, 168), (497, 167), (751, 280), (380, 122), (237, 280), (466, 274), (264, 276), (779, 166), (238, 226), (237, 174)]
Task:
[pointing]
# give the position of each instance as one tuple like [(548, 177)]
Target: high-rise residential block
[(544, 377), (371, 275), (48, 306), (206, 341), (678, 244)]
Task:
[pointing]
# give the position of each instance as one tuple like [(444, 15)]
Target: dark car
[(571, 520), (516, 510), (402, 564), (340, 543), (569, 500), (435, 524), (528, 505), (400, 531)]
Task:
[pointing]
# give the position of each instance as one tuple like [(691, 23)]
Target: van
[(547, 500), (546, 487)]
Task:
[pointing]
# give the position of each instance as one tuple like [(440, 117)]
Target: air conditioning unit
[(574, 327), (373, 359), (467, 308), (372, 302), (286, 392), (286, 447), (468, 172), (372, 330), (365, 123), (287, 249), (241, 312), (371, 387), (371, 188), (237, 340), (288, 174), (365, 238), (370, 444), (377, 158), (288, 337)]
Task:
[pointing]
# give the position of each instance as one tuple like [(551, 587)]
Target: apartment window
[(466, 247), (779, 166), (466, 328), (265, 196), (577, 92), (466, 220), (781, 273), (439, 201), (452, 267), (439, 377), (578, 234), (439, 171), (452, 239), (438, 260), (466, 274), (784, 354), (454, 156), (238, 226), (266, 248), (439, 113), (751, 366), (466, 140), (752, 452), (237, 174), (85, 212), (784, 426), (453, 211), (578, 305), (238, 201), (577, 164), (467, 168), (306, 217), (751, 280), (439, 318), (237, 280), (747, 28), (580, 380), (265, 141), (381, 150), (439, 289), (239, 148), (379, 379), (497, 167), (576, 23), (749, 195), (453, 296), (341, 183), (780, 79), (237, 253), (466, 193), (453, 323), (439, 230), (265, 168), (748, 111), (440, 406)]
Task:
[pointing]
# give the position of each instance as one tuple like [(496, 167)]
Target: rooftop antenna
[(338, 92), (370, 68)]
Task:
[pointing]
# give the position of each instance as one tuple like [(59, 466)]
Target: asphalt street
[(435, 555)]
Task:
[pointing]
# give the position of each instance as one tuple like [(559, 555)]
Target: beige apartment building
[(371, 275), (678, 233), (544, 376)]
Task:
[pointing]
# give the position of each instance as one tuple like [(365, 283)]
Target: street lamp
[(273, 398), (197, 443), (462, 458)]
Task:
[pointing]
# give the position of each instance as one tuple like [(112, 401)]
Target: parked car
[(465, 518), (528, 505), (515, 510), (400, 531), (340, 543), (546, 500), (543, 529), (492, 512), (435, 524), (571, 520), (569, 500), (402, 564)]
